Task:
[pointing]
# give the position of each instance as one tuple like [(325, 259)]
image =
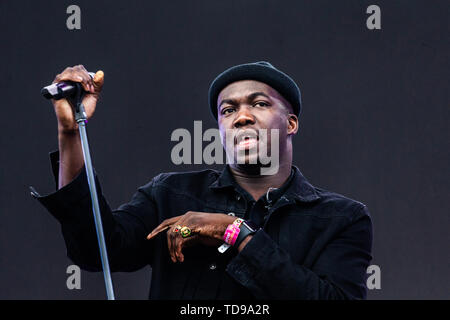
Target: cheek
[(280, 124), (223, 135)]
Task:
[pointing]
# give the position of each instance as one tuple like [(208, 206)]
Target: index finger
[(154, 232), (75, 74), (163, 226)]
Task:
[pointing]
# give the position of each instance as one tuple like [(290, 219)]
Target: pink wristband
[(231, 234)]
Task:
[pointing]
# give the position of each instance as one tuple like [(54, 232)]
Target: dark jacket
[(314, 244)]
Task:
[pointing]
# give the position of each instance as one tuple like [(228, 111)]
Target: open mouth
[(247, 143), (246, 139)]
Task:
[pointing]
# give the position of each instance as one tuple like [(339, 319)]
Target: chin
[(252, 169), (248, 162), (249, 157)]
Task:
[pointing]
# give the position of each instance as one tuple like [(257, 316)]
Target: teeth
[(246, 136), (248, 141)]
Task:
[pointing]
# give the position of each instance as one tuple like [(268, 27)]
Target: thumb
[(98, 80)]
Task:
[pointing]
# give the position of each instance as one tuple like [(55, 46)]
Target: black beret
[(260, 71)]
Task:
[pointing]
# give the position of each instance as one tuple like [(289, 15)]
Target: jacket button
[(212, 266)]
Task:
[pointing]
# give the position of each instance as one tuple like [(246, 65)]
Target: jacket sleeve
[(339, 272), (125, 229)]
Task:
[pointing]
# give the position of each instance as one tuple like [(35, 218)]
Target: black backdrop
[(374, 125)]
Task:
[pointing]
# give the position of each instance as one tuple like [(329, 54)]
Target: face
[(244, 108)]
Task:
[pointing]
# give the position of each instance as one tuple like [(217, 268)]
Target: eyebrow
[(250, 97)]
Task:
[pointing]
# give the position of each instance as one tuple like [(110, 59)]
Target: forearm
[(124, 233), (269, 273), (71, 159), (339, 271)]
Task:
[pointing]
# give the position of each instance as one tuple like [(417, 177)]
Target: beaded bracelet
[(238, 222)]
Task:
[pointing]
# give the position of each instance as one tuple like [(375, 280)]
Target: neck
[(257, 185)]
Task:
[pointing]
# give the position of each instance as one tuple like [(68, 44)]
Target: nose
[(243, 117)]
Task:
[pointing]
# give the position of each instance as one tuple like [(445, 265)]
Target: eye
[(227, 110), (261, 104)]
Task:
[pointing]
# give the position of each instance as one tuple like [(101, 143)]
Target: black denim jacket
[(314, 244)]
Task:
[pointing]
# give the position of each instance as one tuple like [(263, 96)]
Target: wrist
[(67, 129), (237, 234), (67, 133), (222, 227), (244, 242), (247, 230)]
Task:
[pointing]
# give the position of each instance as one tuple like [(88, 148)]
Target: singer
[(230, 234)]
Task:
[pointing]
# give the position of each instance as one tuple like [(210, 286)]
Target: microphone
[(61, 90)]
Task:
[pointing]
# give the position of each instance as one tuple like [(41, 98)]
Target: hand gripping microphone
[(61, 89)]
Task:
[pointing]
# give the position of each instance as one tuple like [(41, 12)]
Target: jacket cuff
[(249, 262), (62, 202)]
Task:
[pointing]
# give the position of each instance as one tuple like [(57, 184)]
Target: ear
[(292, 124)]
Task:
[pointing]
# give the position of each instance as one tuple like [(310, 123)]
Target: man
[(285, 238)]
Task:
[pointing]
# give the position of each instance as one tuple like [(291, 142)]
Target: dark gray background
[(374, 126)]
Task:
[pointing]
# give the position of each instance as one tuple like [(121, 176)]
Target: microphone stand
[(81, 119)]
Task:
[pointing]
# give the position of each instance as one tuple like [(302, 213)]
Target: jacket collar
[(300, 189)]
